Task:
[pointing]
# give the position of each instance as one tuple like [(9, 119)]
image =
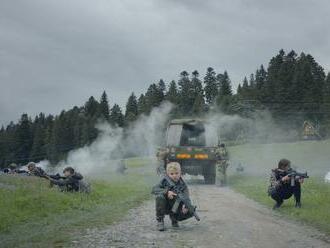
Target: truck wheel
[(209, 174), (209, 179)]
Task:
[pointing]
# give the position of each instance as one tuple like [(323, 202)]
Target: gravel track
[(228, 220)]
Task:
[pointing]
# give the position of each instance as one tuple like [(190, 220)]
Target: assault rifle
[(294, 176), (56, 176), (181, 197)]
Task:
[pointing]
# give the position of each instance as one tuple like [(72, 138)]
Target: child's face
[(67, 173), (174, 175)]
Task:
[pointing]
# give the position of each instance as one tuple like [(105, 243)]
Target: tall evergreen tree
[(154, 96), (273, 78), (116, 116), (225, 85), (104, 106), (92, 107), (142, 105), (162, 89), (211, 87), (186, 99), (131, 109), (38, 151), (172, 93), (197, 94), (260, 80)]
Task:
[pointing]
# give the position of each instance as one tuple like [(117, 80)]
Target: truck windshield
[(192, 135), (173, 135)]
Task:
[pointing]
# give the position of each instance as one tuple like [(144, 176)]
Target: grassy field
[(312, 156), (34, 215)]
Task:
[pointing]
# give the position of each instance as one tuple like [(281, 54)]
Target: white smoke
[(327, 177), (219, 125), (259, 127), (114, 143), (44, 164)]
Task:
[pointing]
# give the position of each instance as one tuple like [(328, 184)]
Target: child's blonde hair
[(173, 166)]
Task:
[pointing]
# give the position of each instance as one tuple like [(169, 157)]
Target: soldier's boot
[(174, 222), (298, 204), (277, 205), (160, 224)]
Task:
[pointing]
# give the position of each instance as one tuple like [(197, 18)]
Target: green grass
[(32, 214), (312, 156)]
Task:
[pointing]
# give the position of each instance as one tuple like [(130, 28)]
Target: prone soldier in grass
[(172, 198), (71, 182), (35, 170)]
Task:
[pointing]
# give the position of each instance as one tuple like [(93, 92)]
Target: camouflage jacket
[(71, 183), (275, 180), (222, 153), (163, 187), (38, 172)]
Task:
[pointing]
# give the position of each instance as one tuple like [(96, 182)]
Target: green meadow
[(35, 215), (310, 156)]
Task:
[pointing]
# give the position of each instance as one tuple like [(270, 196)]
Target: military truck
[(189, 143)]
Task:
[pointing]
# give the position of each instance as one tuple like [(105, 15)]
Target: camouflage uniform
[(38, 172), (164, 205), (161, 161), (280, 190), (71, 183), (222, 164)]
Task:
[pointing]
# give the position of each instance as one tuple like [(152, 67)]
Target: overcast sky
[(54, 54)]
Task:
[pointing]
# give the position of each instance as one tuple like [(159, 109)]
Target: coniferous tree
[(154, 96), (142, 105), (116, 116), (172, 93), (131, 109), (3, 149), (104, 106), (239, 89), (326, 91), (273, 78), (211, 87), (225, 85), (186, 99), (260, 80), (197, 94), (38, 151), (161, 89), (92, 107), (24, 139), (224, 98), (49, 124)]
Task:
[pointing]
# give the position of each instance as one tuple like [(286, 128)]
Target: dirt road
[(228, 220)]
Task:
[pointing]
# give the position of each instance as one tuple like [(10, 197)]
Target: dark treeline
[(293, 88)]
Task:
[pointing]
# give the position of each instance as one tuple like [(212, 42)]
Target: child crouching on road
[(166, 197)]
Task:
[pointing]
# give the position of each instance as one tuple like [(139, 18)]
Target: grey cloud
[(55, 54)]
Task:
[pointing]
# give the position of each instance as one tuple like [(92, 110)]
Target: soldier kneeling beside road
[(284, 182), (172, 198)]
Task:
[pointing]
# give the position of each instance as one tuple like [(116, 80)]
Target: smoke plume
[(115, 143)]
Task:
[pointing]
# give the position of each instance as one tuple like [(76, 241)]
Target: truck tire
[(209, 174)]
